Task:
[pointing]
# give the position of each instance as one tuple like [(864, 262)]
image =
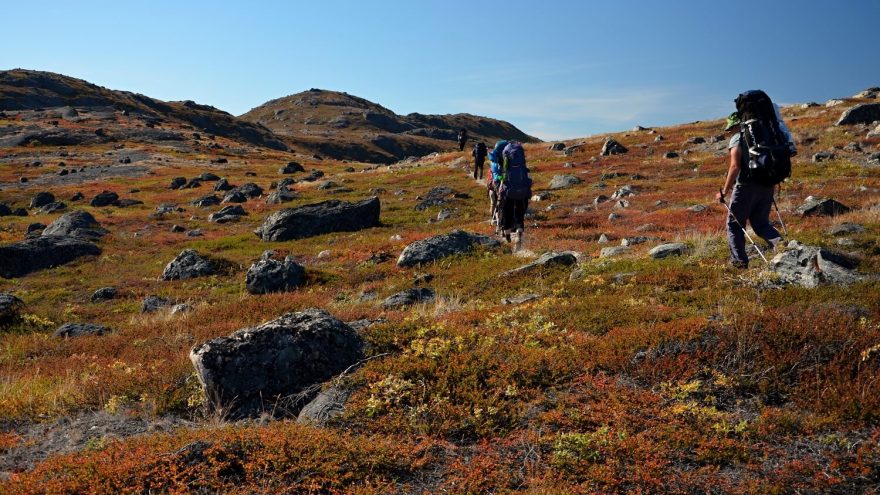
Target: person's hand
[(719, 196)]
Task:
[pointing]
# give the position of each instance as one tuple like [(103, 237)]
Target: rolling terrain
[(606, 371)]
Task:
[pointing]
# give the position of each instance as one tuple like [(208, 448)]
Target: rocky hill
[(342, 126), (35, 91)]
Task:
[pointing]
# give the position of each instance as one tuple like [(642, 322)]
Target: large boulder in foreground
[(320, 218), (76, 223), (189, 264), (38, 253), (256, 369), (441, 246), (811, 266)]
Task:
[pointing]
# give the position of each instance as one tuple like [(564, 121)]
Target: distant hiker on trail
[(514, 192), (493, 182), (462, 138), (760, 158), (479, 154)]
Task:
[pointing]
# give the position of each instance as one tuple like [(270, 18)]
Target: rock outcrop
[(38, 253), (77, 223), (255, 369), (320, 218), (865, 113), (811, 266), (441, 246)]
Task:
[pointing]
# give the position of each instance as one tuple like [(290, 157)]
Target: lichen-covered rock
[(255, 369), (320, 218), (10, 308), (189, 264), (821, 207), (441, 246), (79, 329), (38, 253), (152, 303), (270, 275), (546, 260), (564, 181), (409, 297), (811, 266), (668, 249), (77, 223)]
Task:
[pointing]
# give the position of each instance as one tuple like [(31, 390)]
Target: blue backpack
[(516, 184)]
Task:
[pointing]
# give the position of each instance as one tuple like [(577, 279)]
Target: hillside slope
[(35, 90), (343, 126)]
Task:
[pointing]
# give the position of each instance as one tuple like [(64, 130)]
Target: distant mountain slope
[(343, 126), (30, 90)]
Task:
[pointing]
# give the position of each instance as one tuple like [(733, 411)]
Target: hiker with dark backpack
[(479, 154), (462, 138), (760, 158), (514, 193)]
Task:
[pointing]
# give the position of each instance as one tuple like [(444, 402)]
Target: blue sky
[(556, 69)]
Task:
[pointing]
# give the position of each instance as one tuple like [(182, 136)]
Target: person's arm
[(732, 172)]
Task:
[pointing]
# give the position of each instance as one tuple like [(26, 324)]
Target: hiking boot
[(777, 245), (507, 235), (519, 240), (739, 265)]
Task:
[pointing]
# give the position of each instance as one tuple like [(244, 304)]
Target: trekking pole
[(720, 190), (779, 216)]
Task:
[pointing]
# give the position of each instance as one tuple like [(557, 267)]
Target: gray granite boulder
[(189, 264), (821, 207), (41, 199), (320, 218), (564, 181), (10, 308), (811, 266), (547, 260), (79, 329), (152, 303), (612, 251), (105, 198), (612, 147), (409, 297), (270, 275), (103, 294), (865, 113), (255, 370), (668, 249), (79, 224), (38, 253), (327, 405), (441, 246)]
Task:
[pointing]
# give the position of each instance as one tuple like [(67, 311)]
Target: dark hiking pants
[(478, 168), (752, 203), (513, 213)]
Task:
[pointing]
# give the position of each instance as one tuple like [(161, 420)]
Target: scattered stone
[(53, 207), (659, 139), (10, 308), (517, 300), (178, 229), (106, 198), (195, 233), (409, 297), (821, 207), (177, 182), (622, 203), (188, 264), (320, 218), (557, 146), (38, 253), (846, 228), (327, 184), (192, 183), (70, 330), (853, 147), (220, 161), (698, 208), (441, 246), (834, 102), (696, 140), (623, 278), (222, 185), (669, 249), (270, 275), (811, 266), (564, 181), (871, 93), (281, 195), (632, 241), (865, 113), (77, 197), (125, 203), (329, 403), (234, 196), (42, 199), (151, 304), (612, 251), (624, 192), (809, 105), (614, 216), (227, 214), (209, 177), (670, 154), (612, 147), (600, 199), (542, 196), (180, 309), (36, 228), (206, 201), (5, 210), (291, 168), (313, 176), (79, 224), (445, 214), (546, 260), (255, 369), (823, 156), (603, 239), (103, 294)]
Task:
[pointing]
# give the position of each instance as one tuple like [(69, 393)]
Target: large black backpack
[(769, 156)]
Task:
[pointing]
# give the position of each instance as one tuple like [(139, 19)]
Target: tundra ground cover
[(638, 375)]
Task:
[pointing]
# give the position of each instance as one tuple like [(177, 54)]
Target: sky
[(555, 69)]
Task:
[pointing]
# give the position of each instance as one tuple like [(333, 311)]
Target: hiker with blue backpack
[(493, 182), (760, 158), (514, 192)]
